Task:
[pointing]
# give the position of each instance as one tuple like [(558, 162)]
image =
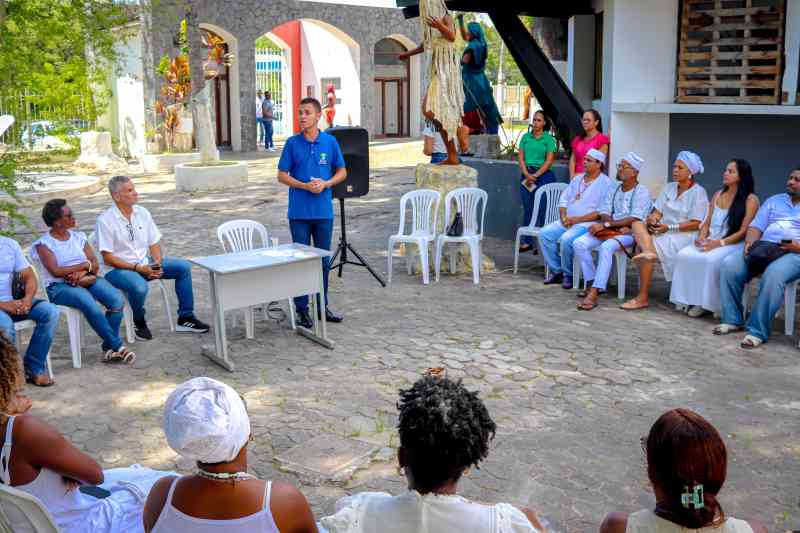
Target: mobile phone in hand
[(155, 267), (93, 490), (786, 241)]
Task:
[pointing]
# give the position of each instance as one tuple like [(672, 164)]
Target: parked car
[(42, 134)]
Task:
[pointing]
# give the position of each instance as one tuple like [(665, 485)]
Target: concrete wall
[(580, 66), (326, 55), (500, 179), (769, 143), (646, 134)]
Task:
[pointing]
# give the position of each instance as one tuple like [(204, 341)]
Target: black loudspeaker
[(354, 143)]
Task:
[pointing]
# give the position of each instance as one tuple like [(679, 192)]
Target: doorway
[(391, 86)]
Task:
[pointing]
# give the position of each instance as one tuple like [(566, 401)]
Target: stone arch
[(415, 76), (233, 83)]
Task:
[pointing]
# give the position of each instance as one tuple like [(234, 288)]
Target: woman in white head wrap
[(206, 421), (672, 225)]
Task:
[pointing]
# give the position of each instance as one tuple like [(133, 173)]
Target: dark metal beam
[(560, 9), (550, 90)]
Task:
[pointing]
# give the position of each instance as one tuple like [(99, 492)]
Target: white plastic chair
[(468, 200), (74, 316), (424, 213), (240, 236), (30, 324), (552, 192), (789, 303), (621, 262), (127, 313), (21, 512)]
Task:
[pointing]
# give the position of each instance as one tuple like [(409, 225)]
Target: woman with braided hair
[(39, 460), (687, 464), (444, 99), (444, 430)]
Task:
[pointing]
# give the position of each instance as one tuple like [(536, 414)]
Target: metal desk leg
[(320, 331), (218, 354)]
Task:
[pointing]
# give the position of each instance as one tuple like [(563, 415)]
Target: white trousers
[(583, 247)]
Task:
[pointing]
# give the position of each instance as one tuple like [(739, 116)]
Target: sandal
[(525, 248), (633, 305), (585, 292), (587, 305), (123, 355), (40, 380), (724, 329), (751, 341)]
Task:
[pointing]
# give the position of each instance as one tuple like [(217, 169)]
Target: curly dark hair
[(52, 211), (444, 429), (10, 371)]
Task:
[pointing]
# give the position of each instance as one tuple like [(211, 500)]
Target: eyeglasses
[(131, 235)]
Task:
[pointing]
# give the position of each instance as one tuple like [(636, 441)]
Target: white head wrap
[(597, 154), (205, 420), (692, 161), (634, 160)]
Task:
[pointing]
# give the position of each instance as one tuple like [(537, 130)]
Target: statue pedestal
[(445, 178), (485, 146), (96, 152)]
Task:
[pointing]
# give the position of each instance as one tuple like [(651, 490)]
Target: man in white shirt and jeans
[(129, 241)]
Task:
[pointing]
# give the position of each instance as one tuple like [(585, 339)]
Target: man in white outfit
[(624, 204)]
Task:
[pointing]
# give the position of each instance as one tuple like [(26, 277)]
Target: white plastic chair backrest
[(24, 512), (36, 265), (424, 211), (92, 240), (468, 200), (239, 235), (552, 192)]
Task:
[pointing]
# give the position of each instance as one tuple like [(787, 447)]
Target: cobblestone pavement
[(571, 391)]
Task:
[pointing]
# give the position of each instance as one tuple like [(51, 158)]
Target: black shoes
[(141, 331), (302, 318), (554, 279), (191, 324)]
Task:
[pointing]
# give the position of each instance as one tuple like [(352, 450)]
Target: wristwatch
[(606, 225)]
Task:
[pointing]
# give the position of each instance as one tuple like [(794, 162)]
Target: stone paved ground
[(571, 392)]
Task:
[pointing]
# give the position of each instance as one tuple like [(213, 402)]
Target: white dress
[(411, 512), (691, 205), (696, 277), (76, 512), (645, 521)]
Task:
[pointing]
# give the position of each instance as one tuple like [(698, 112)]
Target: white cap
[(597, 154), (634, 160), (205, 420), (692, 161)]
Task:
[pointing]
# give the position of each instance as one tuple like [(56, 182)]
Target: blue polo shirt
[(304, 160)]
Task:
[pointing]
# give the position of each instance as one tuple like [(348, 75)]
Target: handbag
[(612, 233), (456, 228), (17, 286), (759, 257)]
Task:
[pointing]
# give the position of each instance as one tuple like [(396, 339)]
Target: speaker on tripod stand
[(354, 142)]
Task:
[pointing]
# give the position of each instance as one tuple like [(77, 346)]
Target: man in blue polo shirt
[(310, 165)]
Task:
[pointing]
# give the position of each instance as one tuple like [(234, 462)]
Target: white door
[(391, 110)]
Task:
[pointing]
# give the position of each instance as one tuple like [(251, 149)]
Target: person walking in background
[(591, 138), (537, 151), (259, 117), (267, 115), (329, 111), (695, 282)]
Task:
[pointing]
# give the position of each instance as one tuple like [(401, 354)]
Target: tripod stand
[(344, 246)]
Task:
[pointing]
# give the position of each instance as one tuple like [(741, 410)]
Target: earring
[(401, 471), (466, 472)]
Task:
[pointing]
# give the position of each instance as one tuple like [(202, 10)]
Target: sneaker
[(141, 331), (696, 311), (190, 324), (303, 319)]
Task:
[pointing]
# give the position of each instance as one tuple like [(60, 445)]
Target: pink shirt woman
[(592, 138)]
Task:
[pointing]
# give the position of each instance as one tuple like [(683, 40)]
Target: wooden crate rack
[(731, 51)]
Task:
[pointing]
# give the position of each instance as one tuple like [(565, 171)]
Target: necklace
[(224, 476), (581, 190)]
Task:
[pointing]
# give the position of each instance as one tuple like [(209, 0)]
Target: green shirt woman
[(537, 152)]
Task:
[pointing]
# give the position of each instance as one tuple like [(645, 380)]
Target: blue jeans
[(549, 238), (45, 315), (135, 286), (527, 201), (261, 129), (770, 293), (106, 325), (438, 157), (321, 230), (268, 131)]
